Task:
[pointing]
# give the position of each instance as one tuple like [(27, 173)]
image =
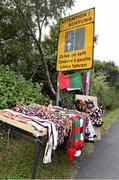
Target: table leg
[(36, 159)]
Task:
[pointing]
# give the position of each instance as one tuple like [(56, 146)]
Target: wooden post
[(87, 82)]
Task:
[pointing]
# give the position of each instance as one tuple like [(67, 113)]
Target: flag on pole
[(73, 81)]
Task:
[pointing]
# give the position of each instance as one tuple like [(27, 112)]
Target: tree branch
[(28, 27), (23, 19), (38, 19)]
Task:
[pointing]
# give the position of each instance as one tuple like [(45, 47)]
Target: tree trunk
[(46, 72), (27, 26)]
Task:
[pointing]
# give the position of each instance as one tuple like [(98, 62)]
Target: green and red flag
[(72, 81)]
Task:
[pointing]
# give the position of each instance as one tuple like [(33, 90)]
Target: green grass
[(16, 162), (109, 119)]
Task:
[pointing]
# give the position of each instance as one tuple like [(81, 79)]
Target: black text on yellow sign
[(75, 48), (75, 45), (78, 19)]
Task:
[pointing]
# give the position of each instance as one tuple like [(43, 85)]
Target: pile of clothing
[(94, 117), (42, 113), (60, 123), (75, 140), (76, 126), (95, 113)]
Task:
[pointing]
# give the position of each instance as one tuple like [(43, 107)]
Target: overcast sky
[(106, 27)]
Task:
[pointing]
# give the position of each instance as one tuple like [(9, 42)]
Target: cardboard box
[(98, 133)]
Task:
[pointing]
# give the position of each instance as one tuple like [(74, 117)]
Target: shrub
[(105, 93), (69, 99), (14, 89)]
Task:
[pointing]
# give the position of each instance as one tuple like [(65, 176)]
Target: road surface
[(103, 162)]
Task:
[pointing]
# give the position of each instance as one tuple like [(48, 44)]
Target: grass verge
[(16, 162), (109, 118)]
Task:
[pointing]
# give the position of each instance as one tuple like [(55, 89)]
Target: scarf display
[(42, 113), (94, 117), (75, 139), (74, 125)]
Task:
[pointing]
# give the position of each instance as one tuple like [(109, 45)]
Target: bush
[(14, 89), (110, 99), (107, 96), (69, 99)]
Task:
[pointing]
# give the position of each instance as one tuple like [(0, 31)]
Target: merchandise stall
[(90, 106), (52, 122), (36, 121)]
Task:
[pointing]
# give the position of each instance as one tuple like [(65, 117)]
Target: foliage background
[(15, 89), (23, 79), (19, 53)]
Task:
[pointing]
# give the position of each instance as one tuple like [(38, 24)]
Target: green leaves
[(105, 93), (14, 89)]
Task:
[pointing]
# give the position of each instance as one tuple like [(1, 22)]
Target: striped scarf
[(76, 137)]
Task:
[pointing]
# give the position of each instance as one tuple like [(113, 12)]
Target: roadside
[(103, 161), (109, 118), (15, 163)]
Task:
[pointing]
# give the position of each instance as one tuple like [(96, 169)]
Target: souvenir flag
[(73, 81)]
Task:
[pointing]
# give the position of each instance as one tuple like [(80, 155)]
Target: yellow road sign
[(75, 46), (78, 19)]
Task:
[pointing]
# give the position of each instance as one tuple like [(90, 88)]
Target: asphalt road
[(103, 162)]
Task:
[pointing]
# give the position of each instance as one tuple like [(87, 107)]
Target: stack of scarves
[(67, 123), (75, 140)]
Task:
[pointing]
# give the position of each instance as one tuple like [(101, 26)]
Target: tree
[(33, 15), (107, 96), (16, 47), (109, 68), (15, 89), (50, 45)]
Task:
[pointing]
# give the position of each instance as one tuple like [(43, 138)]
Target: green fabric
[(78, 134), (76, 122), (73, 134), (75, 81)]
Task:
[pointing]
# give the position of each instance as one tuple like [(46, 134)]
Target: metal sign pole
[(58, 97), (58, 94), (87, 82)]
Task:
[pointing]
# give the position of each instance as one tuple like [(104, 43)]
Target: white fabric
[(78, 153), (36, 122), (52, 137), (91, 130)]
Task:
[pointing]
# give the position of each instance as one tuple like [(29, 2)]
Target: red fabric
[(78, 143), (63, 81), (70, 153), (77, 129), (74, 118), (84, 77), (74, 143)]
